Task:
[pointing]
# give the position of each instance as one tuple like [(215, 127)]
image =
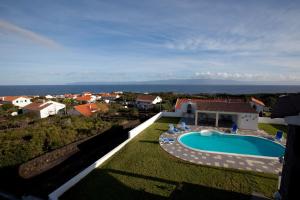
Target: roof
[(12, 98), (257, 101), (87, 109), (180, 101), (237, 107), (109, 95), (286, 106), (35, 106), (84, 98), (147, 98)]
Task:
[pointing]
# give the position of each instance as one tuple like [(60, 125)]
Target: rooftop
[(35, 106), (181, 101), (143, 170), (226, 107), (257, 101), (88, 109), (145, 97)]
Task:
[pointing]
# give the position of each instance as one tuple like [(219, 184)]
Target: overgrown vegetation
[(36, 137), (273, 128), (143, 170)]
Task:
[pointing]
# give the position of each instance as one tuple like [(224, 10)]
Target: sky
[(62, 41)]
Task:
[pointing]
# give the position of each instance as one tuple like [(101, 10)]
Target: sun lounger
[(166, 140), (279, 135), (234, 129), (172, 129), (184, 127)]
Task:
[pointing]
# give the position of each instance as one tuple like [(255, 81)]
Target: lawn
[(142, 170), (273, 128)]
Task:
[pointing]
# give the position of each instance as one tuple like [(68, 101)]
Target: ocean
[(188, 89)]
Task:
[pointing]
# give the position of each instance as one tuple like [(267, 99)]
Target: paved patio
[(220, 160)]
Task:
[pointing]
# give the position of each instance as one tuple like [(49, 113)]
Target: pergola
[(216, 113)]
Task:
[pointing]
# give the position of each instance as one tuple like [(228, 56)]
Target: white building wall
[(247, 121), (21, 102), (157, 100)]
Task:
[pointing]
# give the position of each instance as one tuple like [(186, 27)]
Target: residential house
[(45, 109), (218, 112), (71, 96), (88, 109), (108, 97), (258, 105), (48, 96), (147, 101), (19, 101), (86, 99), (288, 107)]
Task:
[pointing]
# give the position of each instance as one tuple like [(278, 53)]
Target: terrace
[(143, 170)]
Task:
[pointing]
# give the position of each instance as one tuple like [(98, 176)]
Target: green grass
[(272, 129), (142, 170)]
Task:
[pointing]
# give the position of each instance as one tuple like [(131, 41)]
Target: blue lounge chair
[(172, 129), (234, 129), (279, 135), (184, 127), (166, 140)]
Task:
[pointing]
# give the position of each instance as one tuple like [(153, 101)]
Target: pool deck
[(220, 160)]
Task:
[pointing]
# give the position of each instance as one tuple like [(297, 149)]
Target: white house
[(45, 109), (108, 96), (48, 96), (19, 101), (257, 105), (147, 101), (219, 112)]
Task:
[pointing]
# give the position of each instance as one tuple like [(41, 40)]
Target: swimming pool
[(218, 142)]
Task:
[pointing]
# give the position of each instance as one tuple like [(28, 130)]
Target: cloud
[(247, 76), (27, 34)]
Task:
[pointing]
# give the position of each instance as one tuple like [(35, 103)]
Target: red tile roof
[(84, 98), (11, 98), (179, 101), (87, 109), (36, 106), (147, 98), (225, 105), (257, 101)]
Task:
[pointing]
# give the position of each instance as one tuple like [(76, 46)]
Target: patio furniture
[(279, 135), (234, 129), (166, 140), (172, 129), (184, 127)]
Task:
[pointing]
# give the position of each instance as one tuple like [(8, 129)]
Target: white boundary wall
[(268, 120), (133, 133), (171, 114)]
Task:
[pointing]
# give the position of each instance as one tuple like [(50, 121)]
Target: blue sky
[(60, 41)]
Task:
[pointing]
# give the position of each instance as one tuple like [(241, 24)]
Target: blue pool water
[(227, 143)]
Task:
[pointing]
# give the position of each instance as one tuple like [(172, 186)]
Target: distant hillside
[(167, 82)]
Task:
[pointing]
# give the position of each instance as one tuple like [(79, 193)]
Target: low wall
[(172, 114), (268, 120), (144, 125), (133, 133)]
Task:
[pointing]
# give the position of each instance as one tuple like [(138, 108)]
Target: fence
[(268, 120), (133, 133)]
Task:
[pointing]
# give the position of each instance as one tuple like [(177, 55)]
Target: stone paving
[(220, 160)]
